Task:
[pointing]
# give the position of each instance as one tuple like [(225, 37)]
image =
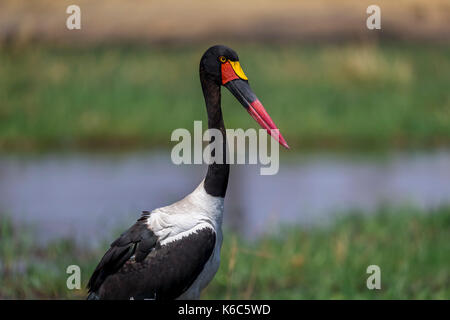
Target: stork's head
[(221, 64)]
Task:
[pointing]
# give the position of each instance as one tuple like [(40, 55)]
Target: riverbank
[(329, 262), (321, 97)]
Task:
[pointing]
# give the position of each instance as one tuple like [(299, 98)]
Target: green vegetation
[(364, 96), (352, 96), (411, 247)]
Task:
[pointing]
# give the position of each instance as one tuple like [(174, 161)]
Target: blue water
[(86, 196)]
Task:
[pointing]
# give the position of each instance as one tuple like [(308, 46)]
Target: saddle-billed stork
[(174, 251)]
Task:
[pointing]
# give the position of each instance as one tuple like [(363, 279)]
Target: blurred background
[(86, 117)]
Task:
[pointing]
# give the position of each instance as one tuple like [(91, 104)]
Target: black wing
[(160, 272), (138, 240)]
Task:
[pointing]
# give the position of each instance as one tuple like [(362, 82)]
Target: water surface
[(88, 195)]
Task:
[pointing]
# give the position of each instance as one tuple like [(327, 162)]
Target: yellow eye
[(222, 59)]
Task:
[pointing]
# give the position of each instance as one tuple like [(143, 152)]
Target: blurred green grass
[(360, 96), (329, 262)]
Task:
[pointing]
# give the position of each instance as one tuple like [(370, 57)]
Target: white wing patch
[(196, 211), (183, 234)]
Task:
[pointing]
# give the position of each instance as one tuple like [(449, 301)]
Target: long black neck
[(216, 180)]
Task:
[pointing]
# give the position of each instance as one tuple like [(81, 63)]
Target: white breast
[(196, 211), (207, 274)]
